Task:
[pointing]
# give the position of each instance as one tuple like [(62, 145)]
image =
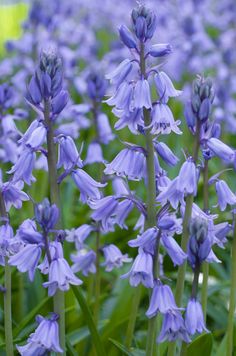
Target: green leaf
[(121, 347), (222, 347), (81, 334), (70, 349), (29, 317), (90, 322), (202, 345)]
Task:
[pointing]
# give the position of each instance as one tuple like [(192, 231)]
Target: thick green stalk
[(151, 202), (95, 108), (98, 278), (153, 322), (232, 300), (7, 294), (193, 296), (133, 317), (150, 220), (185, 236), (205, 266), (58, 299)]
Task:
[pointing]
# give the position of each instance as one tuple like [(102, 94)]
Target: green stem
[(205, 267), (232, 301), (95, 108), (183, 351), (7, 294), (98, 279), (152, 324), (185, 236), (151, 211), (58, 299), (133, 317), (151, 202)]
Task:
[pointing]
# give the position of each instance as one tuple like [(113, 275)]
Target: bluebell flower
[(26, 260), (123, 209), (94, 154), (133, 119), (141, 270), (23, 168), (87, 186), (171, 193), (28, 234), (194, 320), (142, 95), (221, 150), (224, 194), (45, 338), (29, 132), (162, 300), (175, 252), (59, 102), (163, 121), (60, 274), (130, 163), (37, 137), (160, 50), (105, 133), (105, 209), (68, 155), (165, 87), (84, 261), (113, 257), (146, 240), (173, 328), (120, 186), (187, 178), (123, 97), (13, 194), (79, 235), (6, 236), (165, 153), (120, 73)]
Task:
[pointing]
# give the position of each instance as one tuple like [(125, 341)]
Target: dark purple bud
[(204, 110), (144, 23), (165, 153), (140, 28), (166, 223), (46, 215), (6, 96), (126, 37), (34, 92), (59, 102), (96, 85), (196, 103), (216, 130), (200, 244), (189, 116), (46, 85)]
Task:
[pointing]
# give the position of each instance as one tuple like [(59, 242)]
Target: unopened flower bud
[(199, 245), (46, 215)]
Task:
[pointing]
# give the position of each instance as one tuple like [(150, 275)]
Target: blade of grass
[(98, 346)]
